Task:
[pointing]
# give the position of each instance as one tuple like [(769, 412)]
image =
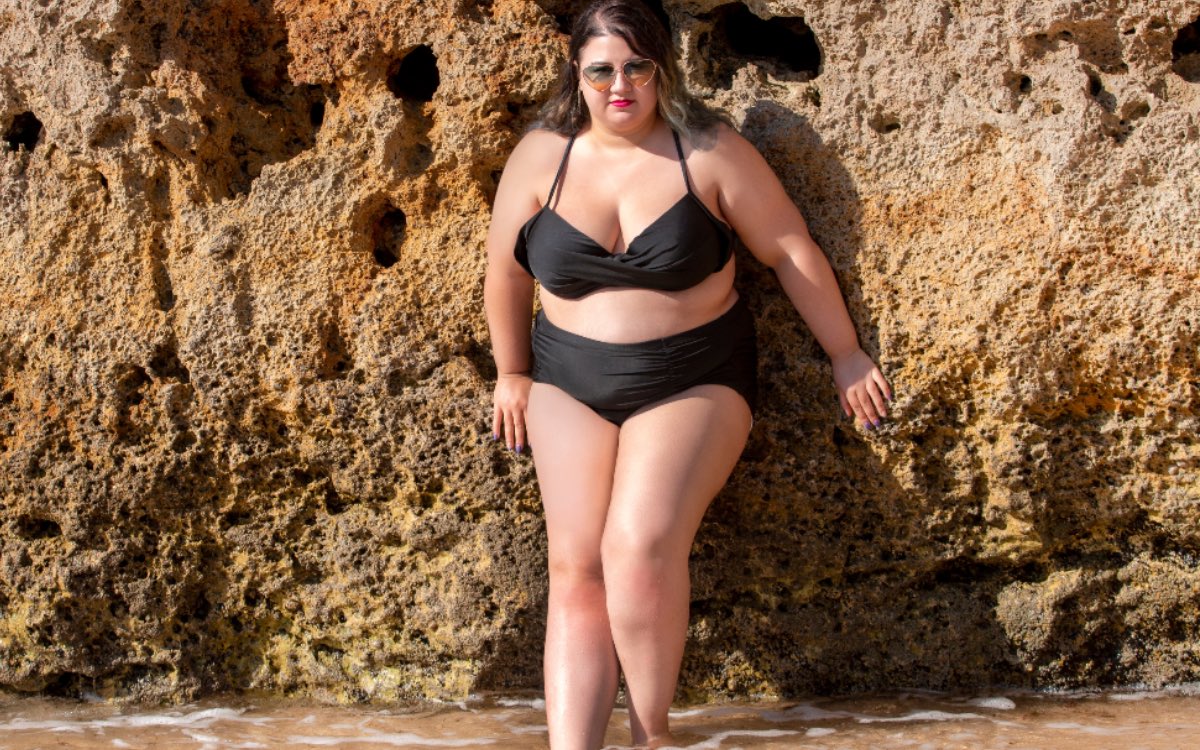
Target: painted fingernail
[(520, 447), (495, 437)]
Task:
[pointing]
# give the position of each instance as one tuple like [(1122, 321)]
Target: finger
[(519, 426), (508, 430), (497, 422), (845, 404), (877, 399), (863, 408), (883, 384)]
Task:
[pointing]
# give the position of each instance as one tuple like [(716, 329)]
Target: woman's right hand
[(508, 420)]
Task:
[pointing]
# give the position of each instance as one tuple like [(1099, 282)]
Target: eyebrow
[(609, 62)]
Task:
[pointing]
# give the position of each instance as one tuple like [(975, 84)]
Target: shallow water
[(1160, 720)]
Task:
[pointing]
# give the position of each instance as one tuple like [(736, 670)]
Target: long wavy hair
[(645, 34)]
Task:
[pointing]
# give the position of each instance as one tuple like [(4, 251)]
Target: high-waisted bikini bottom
[(616, 380)]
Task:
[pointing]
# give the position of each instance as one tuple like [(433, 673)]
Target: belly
[(623, 316)]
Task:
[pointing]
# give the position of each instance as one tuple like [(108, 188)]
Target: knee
[(636, 568), (576, 583)]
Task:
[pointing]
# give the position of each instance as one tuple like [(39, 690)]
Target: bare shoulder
[(537, 151), (722, 158), (527, 174), (721, 150), (731, 150)]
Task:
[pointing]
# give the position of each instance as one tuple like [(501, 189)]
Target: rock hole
[(415, 78), (23, 131), (419, 158), (1185, 52), (481, 9), (164, 290), (202, 607), (785, 45), (235, 518), (389, 235), (165, 363), (334, 503), (1136, 110), (69, 685), (131, 384), (253, 89), (335, 355), (1097, 91), (31, 527), (885, 124), (1020, 83), (322, 648)]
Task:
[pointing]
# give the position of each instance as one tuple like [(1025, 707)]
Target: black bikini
[(679, 249)]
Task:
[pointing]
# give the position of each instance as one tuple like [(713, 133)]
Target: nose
[(621, 83)]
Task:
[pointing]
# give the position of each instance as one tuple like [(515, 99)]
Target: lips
[(622, 103)]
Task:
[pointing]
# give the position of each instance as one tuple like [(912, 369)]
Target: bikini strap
[(687, 181), (561, 166)]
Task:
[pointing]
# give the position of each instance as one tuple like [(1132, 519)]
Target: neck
[(630, 139)]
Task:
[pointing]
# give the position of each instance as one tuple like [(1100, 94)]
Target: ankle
[(662, 739)]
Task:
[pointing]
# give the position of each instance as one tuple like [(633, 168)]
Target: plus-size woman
[(636, 388)]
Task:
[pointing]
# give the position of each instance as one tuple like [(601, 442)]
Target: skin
[(623, 504)]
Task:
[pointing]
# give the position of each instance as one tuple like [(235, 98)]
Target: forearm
[(508, 300), (809, 282)]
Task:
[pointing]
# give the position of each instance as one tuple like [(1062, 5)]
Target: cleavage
[(617, 248)]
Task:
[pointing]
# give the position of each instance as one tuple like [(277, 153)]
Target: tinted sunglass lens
[(600, 76), (639, 72)]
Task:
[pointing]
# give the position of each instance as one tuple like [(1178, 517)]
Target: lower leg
[(580, 663), (648, 611)]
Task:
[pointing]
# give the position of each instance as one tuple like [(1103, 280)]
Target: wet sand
[(1159, 720)]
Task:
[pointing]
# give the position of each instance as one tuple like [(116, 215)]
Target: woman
[(637, 385)]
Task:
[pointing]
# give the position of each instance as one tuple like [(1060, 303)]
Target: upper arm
[(754, 201), (518, 197)]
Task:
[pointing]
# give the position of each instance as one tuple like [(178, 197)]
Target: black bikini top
[(681, 248)]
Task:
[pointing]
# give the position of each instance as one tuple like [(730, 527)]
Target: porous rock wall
[(245, 373)]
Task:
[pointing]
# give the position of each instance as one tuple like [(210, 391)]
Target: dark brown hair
[(645, 34)]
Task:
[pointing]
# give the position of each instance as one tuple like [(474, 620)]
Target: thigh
[(574, 452), (673, 459)]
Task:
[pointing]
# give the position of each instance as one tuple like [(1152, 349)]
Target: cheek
[(593, 98)]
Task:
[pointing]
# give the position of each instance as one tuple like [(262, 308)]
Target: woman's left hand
[(862, 390)]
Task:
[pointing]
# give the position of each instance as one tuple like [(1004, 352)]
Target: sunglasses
[(601, 76)]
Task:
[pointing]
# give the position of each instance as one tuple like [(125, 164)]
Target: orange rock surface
[(245, 373)]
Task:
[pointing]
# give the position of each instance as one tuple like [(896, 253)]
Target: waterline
[(1125, 720)]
